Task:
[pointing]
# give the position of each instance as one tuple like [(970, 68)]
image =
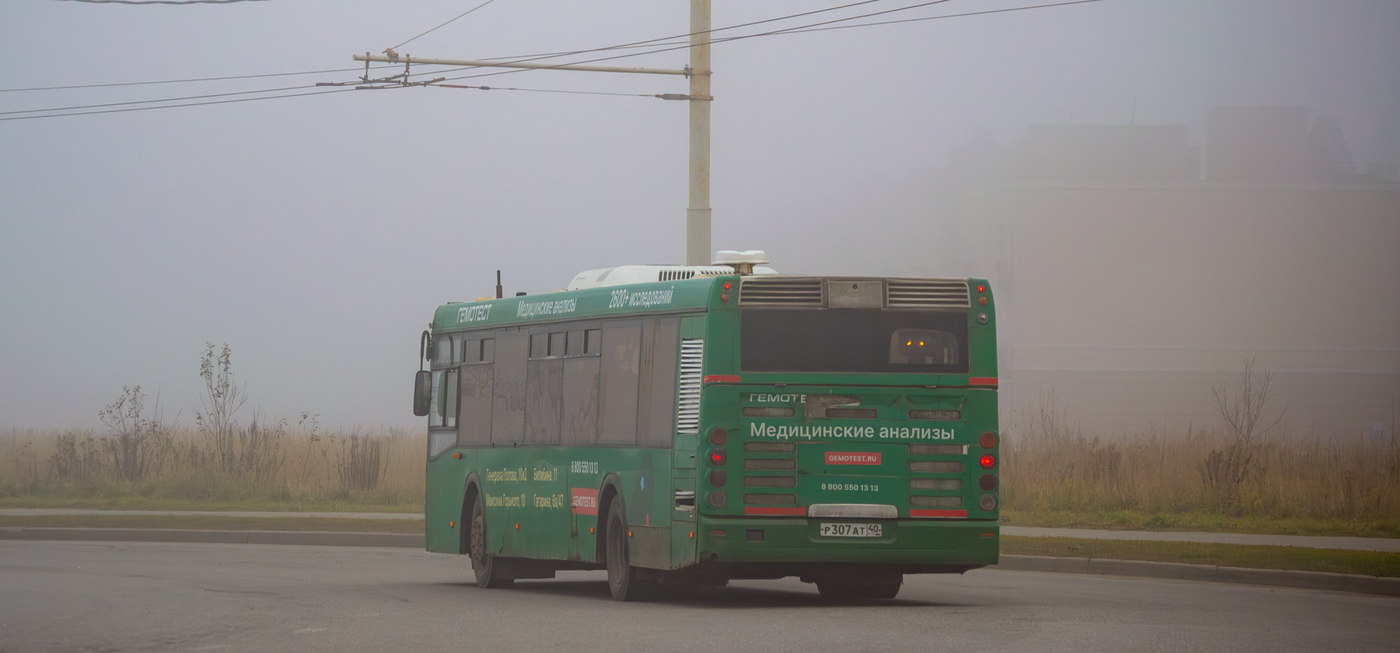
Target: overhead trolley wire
[(915, 20), (173, 99), (173, 106), (182, 81), (679, 45), (813, 27), (675, 45), (442, 25), (726, 39)]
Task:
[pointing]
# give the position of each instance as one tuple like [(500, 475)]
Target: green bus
[(697, 425)]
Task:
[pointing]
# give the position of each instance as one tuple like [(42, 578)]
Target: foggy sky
[(315, 235)]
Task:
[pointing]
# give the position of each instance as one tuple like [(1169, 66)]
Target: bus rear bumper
[(903, 546)]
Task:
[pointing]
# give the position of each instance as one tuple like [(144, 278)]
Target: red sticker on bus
[(852, 458), (584, 501)]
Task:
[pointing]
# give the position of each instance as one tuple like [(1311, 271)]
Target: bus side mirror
[(422, 392)]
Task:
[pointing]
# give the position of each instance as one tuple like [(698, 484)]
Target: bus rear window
[(834, 340)]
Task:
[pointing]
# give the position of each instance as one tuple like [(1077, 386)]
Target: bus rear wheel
[(622, 576), (841, 591), (483, 563)]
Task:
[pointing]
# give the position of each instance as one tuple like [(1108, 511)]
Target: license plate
[(850, 530)]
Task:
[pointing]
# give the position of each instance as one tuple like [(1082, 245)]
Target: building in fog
[(1133, 274)]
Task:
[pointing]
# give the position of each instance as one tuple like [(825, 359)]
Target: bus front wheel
[(483, 563), (622, 576)]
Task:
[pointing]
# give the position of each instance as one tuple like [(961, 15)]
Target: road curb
[(1276, 577), (311, 538), (1090, 566)]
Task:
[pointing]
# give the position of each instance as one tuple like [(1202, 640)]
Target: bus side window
[(656, 404), (539, 345), (442, 350), (449, 399), (474, 427), (622, 343), (580, 405), (488, 350), (508, 405), (434, 406), (543, 396)]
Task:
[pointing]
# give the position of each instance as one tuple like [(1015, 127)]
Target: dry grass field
[(1199, 477), (1247, 475), (276, 467)]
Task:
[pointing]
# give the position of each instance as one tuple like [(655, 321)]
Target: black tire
[(843, 592), (483, 563), (622, 576)]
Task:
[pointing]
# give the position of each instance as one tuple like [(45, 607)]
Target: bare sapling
[(252, 453), (221, 400), (140, 442), (361, 461), (1244, 408)]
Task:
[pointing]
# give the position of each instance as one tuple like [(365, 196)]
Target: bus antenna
[(499, 291)]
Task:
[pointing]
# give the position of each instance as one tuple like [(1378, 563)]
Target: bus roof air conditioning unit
[(729, 262)]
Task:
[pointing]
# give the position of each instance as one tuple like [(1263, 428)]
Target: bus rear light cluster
[(718, 458), (718, 477), (935, 466), (987, 502), (937, 449), (936, 414), (987, 440), (852, 413), (935, 502), (770, 481), (770, 447), (988, 461), (717, 498), (987, 482), (718, 436), (935, 484), (761, 464), (768, 412), (770, 499)]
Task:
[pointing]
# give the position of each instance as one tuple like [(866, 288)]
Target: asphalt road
[(104, 596)]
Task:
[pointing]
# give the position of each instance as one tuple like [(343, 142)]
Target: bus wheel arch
[(611, 487), (484, 564), (625, 582), (469, 494)]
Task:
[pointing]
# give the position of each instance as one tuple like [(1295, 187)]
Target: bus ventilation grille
[(926, 293), (790, 292), (688, 394), (681, 274)]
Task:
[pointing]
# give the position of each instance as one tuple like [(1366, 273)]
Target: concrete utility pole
[(697, 214)]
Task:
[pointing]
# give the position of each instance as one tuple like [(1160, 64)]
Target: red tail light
[(989, 461), (717, 457), (988, 440), (719, 436), (721, 378)]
